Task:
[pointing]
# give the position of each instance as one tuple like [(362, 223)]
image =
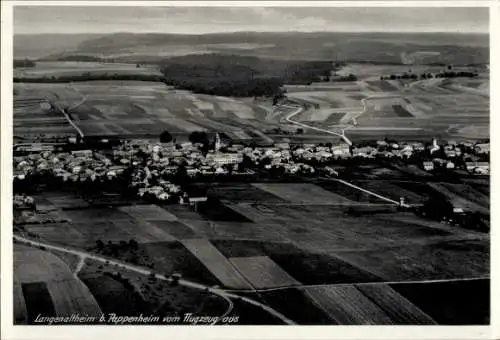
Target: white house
[(428, 166)]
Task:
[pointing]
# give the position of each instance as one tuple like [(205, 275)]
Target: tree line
[(24, 63), (87, 76)]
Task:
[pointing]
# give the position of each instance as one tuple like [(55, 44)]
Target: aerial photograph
[(251, 165)]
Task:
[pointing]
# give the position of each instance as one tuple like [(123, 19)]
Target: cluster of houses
[(23, 201), (78, 165), (150, 162)]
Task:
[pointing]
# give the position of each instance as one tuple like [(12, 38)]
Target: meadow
[(448, 108), (128, 108), (293, 234), (45, 284), (56, 69)]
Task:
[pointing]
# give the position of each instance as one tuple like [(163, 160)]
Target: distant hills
[(443, 48)]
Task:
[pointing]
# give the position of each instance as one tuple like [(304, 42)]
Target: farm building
[(225, 158), (82, 153), (428, 166), (482, 148), (479, 167)]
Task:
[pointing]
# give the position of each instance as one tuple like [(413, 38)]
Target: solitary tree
[(165, 137), (199, 137)]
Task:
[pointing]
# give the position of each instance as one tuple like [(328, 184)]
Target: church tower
[(217, 142)]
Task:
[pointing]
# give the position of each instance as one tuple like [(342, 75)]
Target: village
[(159, 169)]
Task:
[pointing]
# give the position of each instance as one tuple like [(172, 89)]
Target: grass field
[(262, 272), (400, 310), (456, 194), (216, 262), (241, 193), (451, 303), (37, 301), (449, 109), (47, 285), (302, 193), (278, 244), (303, 311), (390, 190), (86, 226), (398, 108), (146, 108), (137, 293), (347, 305), (304, 266), (74, 68), (445, 260)]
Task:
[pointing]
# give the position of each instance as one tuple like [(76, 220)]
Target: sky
[(199, 20)]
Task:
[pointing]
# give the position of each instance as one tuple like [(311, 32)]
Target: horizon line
[(260, 32)]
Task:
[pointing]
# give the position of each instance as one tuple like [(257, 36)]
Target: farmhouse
[(225, 158), (482, 148), (418, 146), (428, 166), (479, 167), (82, 153)]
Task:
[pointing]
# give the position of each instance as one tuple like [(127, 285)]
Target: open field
[(329, 228), (451, 303), (447, 108), (48, 286), (147, 212), (390, 190), (262, 272), (75, 68), (456, 195), (278, 244), (303, 310), (32, 114), (305, 266), (241, 193), (85, 234), (400, 310), (349, 192), (348, 306), (445, 260), (216, 262), (131, 292), (113, 297), (37, 301), (144, 108), (301, 193)]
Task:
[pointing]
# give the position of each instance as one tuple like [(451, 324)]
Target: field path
[(84, 98), (80, 265), (295, 286), (141, 270), (299, 110), (369, 192)]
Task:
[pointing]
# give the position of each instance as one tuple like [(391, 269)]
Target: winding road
[(141, 270), (299, 110), (65, 112)]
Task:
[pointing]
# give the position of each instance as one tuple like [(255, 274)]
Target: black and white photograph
[(250, 165)]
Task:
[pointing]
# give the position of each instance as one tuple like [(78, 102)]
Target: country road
[(299, 110), (70, 121), (348, 117), (65, 112), (367, 191), (298, 286), (141, 270), (84, 97)]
